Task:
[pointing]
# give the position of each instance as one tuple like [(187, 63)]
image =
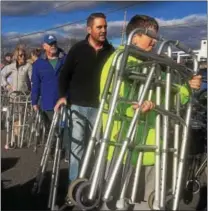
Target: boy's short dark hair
[(8, 54), (91, 18), (141, 21), (36, 52)]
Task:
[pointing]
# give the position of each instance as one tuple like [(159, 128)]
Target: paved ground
[(19, 169)]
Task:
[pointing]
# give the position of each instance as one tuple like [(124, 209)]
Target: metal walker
[(151, 78)]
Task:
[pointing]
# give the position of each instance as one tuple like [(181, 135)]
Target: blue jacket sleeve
[(35, 79)]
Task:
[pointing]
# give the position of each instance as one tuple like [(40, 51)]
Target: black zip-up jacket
[(80, 75)]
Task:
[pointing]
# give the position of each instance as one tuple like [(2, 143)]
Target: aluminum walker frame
[(87, 192), (18, 112), (37, 130), (56, 131)]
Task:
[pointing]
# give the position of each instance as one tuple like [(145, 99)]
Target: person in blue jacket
[(45, 73)]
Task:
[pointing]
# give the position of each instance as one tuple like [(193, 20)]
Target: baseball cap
[(49, 39)]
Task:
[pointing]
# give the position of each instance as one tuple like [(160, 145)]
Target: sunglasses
[(21, 55)]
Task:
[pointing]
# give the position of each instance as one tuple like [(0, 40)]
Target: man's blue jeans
[(81, 122)]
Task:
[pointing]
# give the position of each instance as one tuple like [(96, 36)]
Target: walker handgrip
[(183, 47), (188, 50)]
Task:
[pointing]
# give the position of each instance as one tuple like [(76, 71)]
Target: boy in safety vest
[(146, 43)]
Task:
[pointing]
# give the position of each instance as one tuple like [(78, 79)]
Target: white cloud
[(12, 34), (190, 30), (76, 30), (34, 39), (21, 8), (79, 30), (188, 21), (24, 8), (76, 5)]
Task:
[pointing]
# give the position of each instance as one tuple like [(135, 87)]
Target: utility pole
[(123, 30)]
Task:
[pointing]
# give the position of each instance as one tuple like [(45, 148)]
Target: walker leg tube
[(7, 127), (182, 158), (91, 143), (109, 185), (139, 160), (24, 121), (165, 142), (55, 188), (176, 144), (53, 174), (103, 146), (156, 203), (122, 201)]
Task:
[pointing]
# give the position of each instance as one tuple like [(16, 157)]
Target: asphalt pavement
[(18, 171)]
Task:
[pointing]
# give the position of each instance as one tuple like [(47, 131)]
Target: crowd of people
[(77, 79)]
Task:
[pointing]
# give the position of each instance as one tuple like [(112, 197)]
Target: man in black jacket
[(80, 77)]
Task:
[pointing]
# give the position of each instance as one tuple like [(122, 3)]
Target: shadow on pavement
[(20, 197), (8, 163)]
